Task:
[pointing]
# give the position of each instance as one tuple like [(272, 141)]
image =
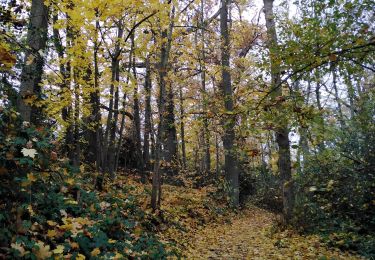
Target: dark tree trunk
[(159, 154), (231, 167), (147, 131), (65, 73), (182, 130), (32, 70), (337, 98), (282, 131), (137, 121), (110, 133), (76, 160), (170, 138), (206, 133)]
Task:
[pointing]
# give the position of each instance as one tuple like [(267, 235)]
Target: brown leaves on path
[(248, 236)]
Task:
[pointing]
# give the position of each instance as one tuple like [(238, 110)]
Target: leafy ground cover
[(200, 227), (80, 223)]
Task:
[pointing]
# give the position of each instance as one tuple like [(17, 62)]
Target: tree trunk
[(231, 167), (206, 133), (65, 88), (147, 131), (337, 98), (170, 138), (182, 130), (76, 122), (137, 119), (282, 131), (32, 70), (159, 154), (110, 133)]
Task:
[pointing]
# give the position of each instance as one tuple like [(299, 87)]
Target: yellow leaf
[(95, 252), (51, 223), (59, 249), (72, 202), (70, 181), (74, 245), (118, 256), (31, 177), (42, 251), (112, 241), (51, 233), (30, 209), (138, 231), (30, 59), (80, 257)]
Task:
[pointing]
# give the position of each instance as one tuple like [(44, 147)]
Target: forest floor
[(251, 233), (249, 236)]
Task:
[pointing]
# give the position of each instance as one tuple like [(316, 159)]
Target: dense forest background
[(113, 114)]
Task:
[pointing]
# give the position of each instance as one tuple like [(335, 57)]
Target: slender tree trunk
[(110, 133), (217, 154), (95, 101), (137, 121), (170, 139), (231, 167), (182, 130), (337, 98), (303, 147), (147, 131), (282, 131), (351, 95), (206, 133), (32, 70), (122, 125), (76, 122), (163, 66), (65, 88), (321, 145)]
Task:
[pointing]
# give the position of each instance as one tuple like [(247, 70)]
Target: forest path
[(249, 236)]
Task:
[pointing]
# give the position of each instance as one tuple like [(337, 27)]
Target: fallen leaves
[(42, 251), (95, 252), (29, 152), (248, 237), (19, 248)]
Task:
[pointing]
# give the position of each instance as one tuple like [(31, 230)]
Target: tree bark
[(65, 87), (110, 133), (231, 167), (147, 131), (282, 131), (206, 133), (137, 120), (32, 70), (170, 138), (182, 130), (159, 153)]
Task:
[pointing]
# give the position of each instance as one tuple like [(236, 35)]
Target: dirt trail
[(249, 237)]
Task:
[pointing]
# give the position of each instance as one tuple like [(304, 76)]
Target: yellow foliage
[(95, 252), (42, 251)]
